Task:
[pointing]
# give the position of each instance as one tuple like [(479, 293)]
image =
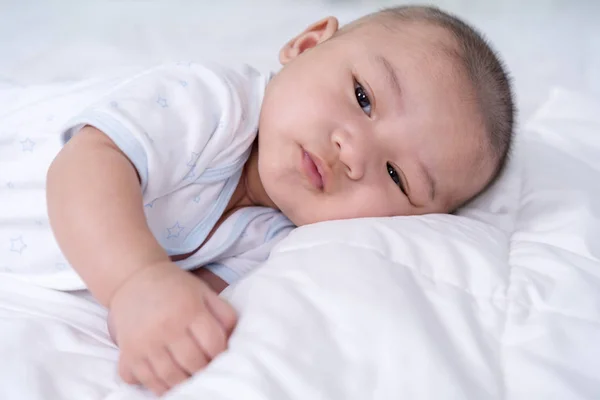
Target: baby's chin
[(296, 212), (292, 211), (305, 220), (302, 215)]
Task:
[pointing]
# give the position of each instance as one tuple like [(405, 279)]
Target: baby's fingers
[(166, 368), (223, 312), (209, 334), (188, 354), (145, 375), (126, 372)]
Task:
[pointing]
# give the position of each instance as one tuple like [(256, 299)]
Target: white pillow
[(501, 301)]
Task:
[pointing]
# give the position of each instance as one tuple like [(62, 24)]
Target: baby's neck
[(250, 191)]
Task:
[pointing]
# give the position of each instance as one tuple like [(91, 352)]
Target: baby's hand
[(168, 324)]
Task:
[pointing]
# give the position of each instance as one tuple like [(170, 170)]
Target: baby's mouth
[(311, 170)]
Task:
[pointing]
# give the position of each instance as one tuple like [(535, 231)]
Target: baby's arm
[(168, 323), (95, 209)]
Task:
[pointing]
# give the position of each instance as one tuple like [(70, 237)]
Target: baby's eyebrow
[(390, 73)]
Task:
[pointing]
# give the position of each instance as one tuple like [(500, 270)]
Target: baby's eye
[(395, 177), (362, 98)]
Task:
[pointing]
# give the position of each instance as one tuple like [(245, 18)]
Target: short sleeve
[(176, 121)]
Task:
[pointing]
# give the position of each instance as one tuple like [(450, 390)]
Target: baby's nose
[(351, 153)]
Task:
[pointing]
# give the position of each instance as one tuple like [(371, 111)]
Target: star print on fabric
[(17, 245), (175, 230), (183, 83), (150, 205), (193, 159), (162, 102), (197, 199), (27, 144)]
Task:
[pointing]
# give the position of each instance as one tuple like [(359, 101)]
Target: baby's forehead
[(421, 49), (461, 159), (394, 29)]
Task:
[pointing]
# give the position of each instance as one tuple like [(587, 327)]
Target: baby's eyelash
[(396, 177), (362, 98)]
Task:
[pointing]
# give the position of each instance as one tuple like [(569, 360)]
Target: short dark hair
[(484, 69)]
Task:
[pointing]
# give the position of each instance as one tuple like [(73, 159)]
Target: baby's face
[(370, 123)]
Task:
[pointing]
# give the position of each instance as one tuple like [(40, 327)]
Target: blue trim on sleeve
[(223, 272), (122, 137)]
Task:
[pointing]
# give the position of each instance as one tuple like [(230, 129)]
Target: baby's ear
[(313, 35)]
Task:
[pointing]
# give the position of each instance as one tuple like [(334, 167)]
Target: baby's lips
[(311, 169)]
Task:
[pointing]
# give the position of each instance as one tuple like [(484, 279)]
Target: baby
[(200, 167)]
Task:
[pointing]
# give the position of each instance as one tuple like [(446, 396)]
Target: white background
[(544, 42)]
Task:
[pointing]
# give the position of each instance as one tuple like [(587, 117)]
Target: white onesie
[(188, 130)]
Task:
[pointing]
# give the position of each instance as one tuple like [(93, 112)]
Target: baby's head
[(406, 111)]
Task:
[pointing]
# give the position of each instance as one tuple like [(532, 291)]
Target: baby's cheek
[(373, 202)]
